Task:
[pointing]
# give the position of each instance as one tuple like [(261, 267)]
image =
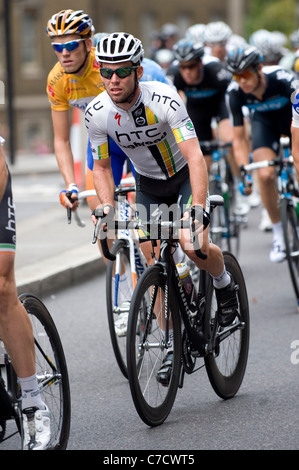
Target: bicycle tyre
[(51, 370), (235, 221), (226, 366), (290, 233), (219, 222), (153, 401), (121, 251)]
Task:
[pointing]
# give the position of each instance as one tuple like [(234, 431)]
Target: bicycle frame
[(201, 345), (287, 185), (225, 226), (126, 186), (136, 261), (10, 402)]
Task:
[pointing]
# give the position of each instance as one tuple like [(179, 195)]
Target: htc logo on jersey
[(166, 100), (128, 139)]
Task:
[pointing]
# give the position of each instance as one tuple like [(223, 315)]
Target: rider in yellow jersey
[(73, 81)]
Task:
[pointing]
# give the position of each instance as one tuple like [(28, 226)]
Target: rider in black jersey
[(266, 91), (202, 81)]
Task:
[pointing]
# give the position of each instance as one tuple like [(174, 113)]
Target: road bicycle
[(225, 225), (159, 300), (288, 198), (124, 268), (52, 374)]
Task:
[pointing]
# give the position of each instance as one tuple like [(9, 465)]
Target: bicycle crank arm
[(216, 339)]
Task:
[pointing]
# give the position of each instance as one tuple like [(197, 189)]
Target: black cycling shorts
[(267, 132), (162, 199), (7, 221)]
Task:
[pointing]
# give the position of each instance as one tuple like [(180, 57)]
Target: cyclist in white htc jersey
[(150, 123), (15, 326)]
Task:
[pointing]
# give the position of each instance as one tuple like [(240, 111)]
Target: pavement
[(51, 254)]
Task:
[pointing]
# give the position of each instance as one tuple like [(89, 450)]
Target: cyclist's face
[(248, 80), (218, 49), (191, 71), (71, 60), (120, 89)]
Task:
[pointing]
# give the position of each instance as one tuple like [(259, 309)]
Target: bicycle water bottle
[(186, 281), (124, 214), (2, 353)]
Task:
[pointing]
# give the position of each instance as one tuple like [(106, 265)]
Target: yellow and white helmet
[(70, 22)]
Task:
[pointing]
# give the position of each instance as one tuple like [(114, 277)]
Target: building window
[(30, 44)]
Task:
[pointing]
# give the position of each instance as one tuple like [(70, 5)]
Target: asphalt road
[(263, 416)]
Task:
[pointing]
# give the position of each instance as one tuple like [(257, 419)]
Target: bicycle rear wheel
[(226, 365), (51, 370), (118, 298), (219, 222), (291, 239), (146, 348)]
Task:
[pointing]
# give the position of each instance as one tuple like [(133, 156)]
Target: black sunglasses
[(121, 72)]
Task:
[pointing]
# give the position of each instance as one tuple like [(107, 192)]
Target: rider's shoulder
[(153, 89), (56, 74)]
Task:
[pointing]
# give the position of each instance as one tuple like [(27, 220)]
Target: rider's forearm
[(65, 160), (197, 170), (241, 151), (199, 181), (103, 183)]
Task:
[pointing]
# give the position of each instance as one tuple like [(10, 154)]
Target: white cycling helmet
[(294, 38), (119, 47), (196, 32), (269, 43), (217, 31)]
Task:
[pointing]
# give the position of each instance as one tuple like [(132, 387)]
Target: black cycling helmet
[(241, 58), (186, 49)]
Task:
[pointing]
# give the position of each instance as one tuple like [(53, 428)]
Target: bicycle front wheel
[(291, 239), (51, 370), (119, 290), (146, 348), (226, 364)]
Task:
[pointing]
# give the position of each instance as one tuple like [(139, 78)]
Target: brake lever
[(99, 214), (68, 209), (194, 240)]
